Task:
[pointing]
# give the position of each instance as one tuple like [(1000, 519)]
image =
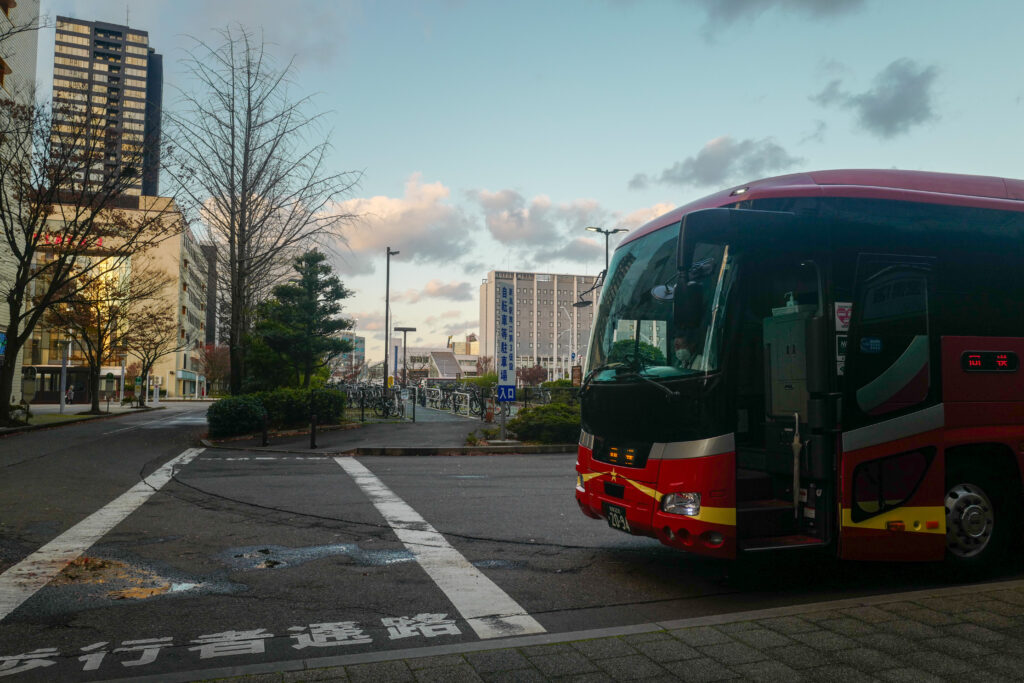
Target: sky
[(489, 134)]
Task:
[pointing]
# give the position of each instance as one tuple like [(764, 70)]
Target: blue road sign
[(506, 394)]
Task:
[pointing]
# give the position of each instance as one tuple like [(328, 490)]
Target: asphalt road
[(243, 558)]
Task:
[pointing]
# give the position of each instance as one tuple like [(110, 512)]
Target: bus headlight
[(681, 504)]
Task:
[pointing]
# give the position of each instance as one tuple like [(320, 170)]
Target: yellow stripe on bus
[(915, 519)]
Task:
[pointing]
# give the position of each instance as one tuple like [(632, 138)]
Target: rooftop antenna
[(127, 13)]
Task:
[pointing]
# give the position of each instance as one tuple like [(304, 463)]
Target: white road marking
[(23, 580), (487, 608)]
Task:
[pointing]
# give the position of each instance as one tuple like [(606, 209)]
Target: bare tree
[(216, 364), (100, 313), (9, 29), (65, 220), (152, 333), (254, 164)]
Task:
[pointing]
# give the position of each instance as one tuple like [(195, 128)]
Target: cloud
[(817, 135), (901, 97), (369, 322), (478, 268), (639, 217), (435, 289), (441, 317), (581, 250), (723, 13), (725, 159), (421, 225)]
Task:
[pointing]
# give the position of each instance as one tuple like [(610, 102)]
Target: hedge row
[(284, 408), (550, 423)]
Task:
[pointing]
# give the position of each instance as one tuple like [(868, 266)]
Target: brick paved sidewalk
[(950, 634)]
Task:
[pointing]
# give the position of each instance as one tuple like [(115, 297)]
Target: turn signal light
[(895, 526)]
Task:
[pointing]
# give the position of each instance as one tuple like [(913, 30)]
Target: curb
[(526, 449), (90, 418), (572, 636)]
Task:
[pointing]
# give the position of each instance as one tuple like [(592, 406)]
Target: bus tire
[(980, 518)]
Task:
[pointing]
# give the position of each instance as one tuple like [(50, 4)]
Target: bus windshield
[(635, 333)]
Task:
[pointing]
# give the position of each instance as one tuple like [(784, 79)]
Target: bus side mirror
[(688, 306)]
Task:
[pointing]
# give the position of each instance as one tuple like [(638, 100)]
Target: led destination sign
[(989, 361)]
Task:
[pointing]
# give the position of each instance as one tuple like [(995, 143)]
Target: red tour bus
[(823, 360)]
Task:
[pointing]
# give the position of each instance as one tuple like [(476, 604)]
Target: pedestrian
[(70, 395)]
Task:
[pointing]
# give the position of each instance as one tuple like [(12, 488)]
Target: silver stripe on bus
[(897, 428), (680, 450), (587, 440)]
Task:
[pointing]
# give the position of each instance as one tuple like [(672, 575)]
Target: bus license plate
[(616, 517)]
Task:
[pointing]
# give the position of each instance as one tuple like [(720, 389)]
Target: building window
[(4, 69)]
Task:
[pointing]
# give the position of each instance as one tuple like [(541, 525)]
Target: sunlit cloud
[(435, 289), (422, 225)]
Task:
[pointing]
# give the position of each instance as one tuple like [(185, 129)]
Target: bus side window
[(890, 369)]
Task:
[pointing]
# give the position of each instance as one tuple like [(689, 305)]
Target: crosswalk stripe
[(488, 609), (23, 580)]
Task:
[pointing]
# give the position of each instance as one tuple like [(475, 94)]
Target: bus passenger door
[(891, 487)]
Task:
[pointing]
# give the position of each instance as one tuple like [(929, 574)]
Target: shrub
[(329, 405), (551, 423), (235, 415), (293, 407)]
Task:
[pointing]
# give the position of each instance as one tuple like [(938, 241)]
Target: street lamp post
[(405, 364), (387, 313), (606, 234)]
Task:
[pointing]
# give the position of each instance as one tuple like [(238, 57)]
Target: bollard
[(265, 441), (312, 431)]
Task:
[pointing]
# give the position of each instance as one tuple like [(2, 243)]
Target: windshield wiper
[(631, 372), (603, 366)]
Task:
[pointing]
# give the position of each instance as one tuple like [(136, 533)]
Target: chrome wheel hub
[(970, 520)]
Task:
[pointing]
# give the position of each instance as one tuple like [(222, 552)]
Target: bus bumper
[(607, 492)]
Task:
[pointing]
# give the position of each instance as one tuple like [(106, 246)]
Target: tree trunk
[(8, 369), (94, 388)]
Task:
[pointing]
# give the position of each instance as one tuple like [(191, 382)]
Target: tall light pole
[(405, 365), (606, 234), (387, 313)]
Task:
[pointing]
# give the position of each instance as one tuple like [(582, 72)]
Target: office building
[(549, 330), (179, 373), (107, 76), (348, 366)]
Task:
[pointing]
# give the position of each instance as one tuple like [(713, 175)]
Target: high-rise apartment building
[(549, 330), (107, 76)]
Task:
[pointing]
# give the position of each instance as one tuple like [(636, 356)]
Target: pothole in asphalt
[(279, 557), (109, 576), (119, 580)]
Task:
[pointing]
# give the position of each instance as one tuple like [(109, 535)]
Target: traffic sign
[(506, 394), (138, 380), (110, 375)]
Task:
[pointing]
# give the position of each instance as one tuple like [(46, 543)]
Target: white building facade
[(549, 330), (17, 83)]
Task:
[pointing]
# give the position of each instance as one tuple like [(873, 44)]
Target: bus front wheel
[(978, 519)]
